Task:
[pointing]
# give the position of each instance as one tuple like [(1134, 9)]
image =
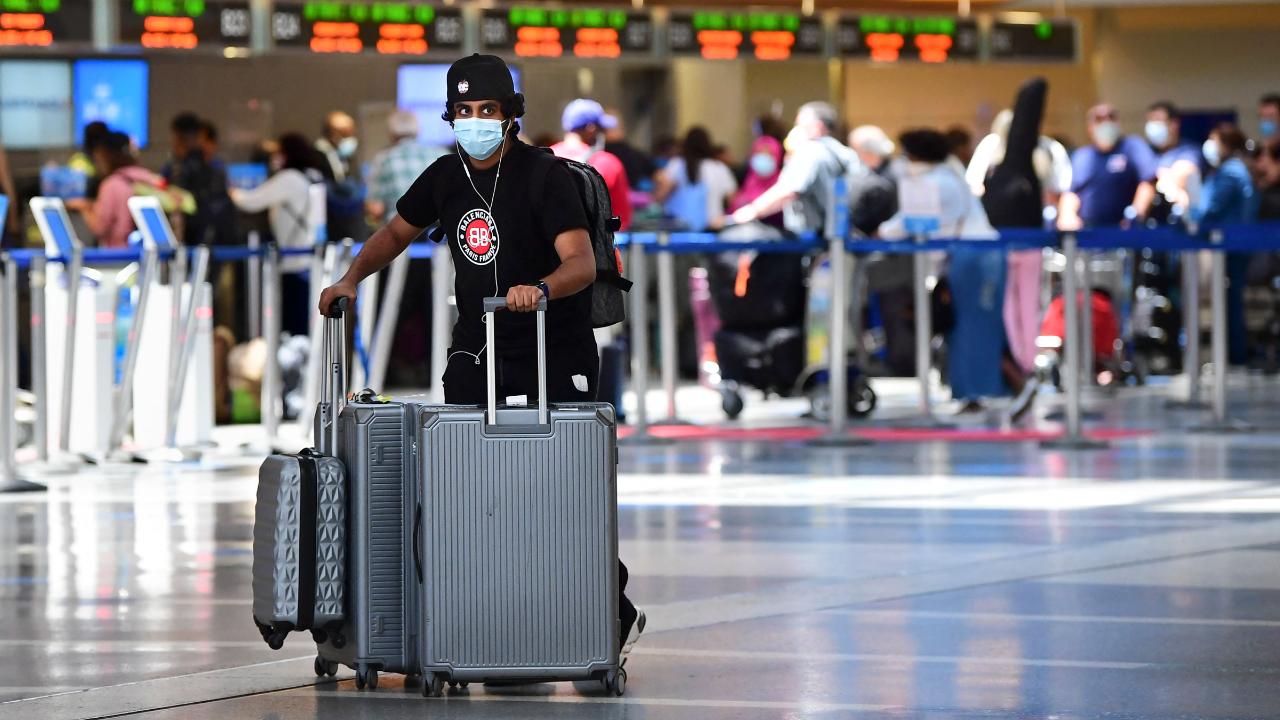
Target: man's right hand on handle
[(340, 289)]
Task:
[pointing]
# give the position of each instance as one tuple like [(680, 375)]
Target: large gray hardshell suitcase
[(519, 540), (375, 442)]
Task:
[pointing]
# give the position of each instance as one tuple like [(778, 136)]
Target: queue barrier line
[(1258, 237), (1237, 238), (224, 253)]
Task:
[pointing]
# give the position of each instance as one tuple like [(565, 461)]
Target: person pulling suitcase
[(507, 240)]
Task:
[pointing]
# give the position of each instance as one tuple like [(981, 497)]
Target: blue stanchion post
[(640, 348), (837, 229), (1218, 343), (271, 401), (1071, 354), (1190, 331), (39, 358), (667, 327)]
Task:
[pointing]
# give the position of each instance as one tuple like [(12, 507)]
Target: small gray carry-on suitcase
[(519, 540), (300, 545), (299, 548)]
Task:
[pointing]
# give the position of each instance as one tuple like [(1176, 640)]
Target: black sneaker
[(633, 635)]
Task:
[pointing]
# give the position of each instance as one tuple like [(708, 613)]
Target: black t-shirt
[(512, 243)]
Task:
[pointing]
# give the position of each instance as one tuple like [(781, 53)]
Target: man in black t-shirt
[(504, 242)]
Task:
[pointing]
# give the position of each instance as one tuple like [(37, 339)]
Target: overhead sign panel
[(41, 23), (346, 27), (887, 38), (185, 24), (557, 32), (1044, 41), (731, 35)]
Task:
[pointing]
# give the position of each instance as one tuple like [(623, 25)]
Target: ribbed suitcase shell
[(375, 442), (519, 546), (276, 540)]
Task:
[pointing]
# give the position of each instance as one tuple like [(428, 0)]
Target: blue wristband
[(546, 291)]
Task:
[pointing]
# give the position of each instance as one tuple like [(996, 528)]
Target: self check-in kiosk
[(162, 347), (82, 424)]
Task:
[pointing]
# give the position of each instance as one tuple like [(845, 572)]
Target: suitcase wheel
[(276, 641), (337, 640), (433, 685), (458, 684), (615, 683), (325, 667), (366, 677)]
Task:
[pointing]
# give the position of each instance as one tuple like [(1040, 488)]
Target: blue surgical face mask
[(1157, 132), (347, 147), (1268, 128), (763, 164), (478, 137), (1212, 152), (1107, 134)]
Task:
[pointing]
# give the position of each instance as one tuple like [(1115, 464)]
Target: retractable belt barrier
[(1214, 239), (1218, 239)]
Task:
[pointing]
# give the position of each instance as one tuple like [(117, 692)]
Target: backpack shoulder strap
[(542, 164)]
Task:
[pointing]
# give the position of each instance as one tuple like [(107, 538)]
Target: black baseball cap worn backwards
[(479, 77)]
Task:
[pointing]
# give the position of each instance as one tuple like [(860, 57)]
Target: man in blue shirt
[(1179, 164), (1108, 176)]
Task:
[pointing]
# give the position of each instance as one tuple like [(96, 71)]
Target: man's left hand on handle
[(523, 298)]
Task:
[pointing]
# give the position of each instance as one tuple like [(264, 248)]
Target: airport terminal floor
[(939, 579)]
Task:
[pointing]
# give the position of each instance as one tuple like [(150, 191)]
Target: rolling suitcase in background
[(299, 540), (519, 539)]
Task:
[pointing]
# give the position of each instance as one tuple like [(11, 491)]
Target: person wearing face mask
[(294, 198), (762, 172), (338, 145), (1109, 175), (815, 160), (504, 242), (1228, 197), (1179, 165), (584, 123), (700, 184), (1269, 117)]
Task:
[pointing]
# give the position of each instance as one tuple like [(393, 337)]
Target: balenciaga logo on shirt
[(478, 236)]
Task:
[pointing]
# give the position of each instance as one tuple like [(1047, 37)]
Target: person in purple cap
[(584, 123), (504, 243)]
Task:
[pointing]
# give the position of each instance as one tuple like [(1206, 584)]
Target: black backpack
[(608, 307)]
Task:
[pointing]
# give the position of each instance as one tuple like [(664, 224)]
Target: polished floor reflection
[(930, 580)]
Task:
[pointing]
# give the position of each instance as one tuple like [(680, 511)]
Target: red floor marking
[(792, 434)]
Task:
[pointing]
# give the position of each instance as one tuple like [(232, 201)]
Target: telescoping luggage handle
[(334, 354), (491, 304)]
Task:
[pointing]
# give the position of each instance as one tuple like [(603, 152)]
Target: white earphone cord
[(488, 206)]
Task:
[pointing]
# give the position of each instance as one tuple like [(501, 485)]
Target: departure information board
[(41, 23), (886, 38), (185, 24), (388, 28), (1044, 41), (759, 35), (580, 32)]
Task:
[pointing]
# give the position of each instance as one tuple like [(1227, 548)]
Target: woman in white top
[(294, 200), (975, 342), (710, 181)]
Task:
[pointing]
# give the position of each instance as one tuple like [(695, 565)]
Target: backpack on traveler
[(607, 304)]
